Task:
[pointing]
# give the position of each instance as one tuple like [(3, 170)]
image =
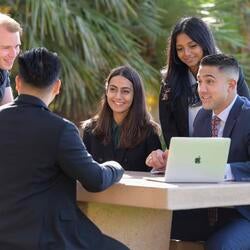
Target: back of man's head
[(10, 24), (225, 63), (39, 67)]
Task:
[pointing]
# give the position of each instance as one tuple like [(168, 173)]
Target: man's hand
[(157, 159)]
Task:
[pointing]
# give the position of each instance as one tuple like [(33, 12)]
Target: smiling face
[(120, 95), (9, 48), (189, 52), (215, 88)]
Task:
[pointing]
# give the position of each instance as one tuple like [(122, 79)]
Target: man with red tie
[(224, 114)]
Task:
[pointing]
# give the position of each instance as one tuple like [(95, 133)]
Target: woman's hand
[(157, 159)]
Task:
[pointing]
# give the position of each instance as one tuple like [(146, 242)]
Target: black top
[(131, 159), (174, 116)]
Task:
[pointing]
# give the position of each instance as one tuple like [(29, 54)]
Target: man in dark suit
[(217, 87), (42, 156)]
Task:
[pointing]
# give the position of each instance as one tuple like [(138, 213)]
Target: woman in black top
[(122, 130), (190, 40)]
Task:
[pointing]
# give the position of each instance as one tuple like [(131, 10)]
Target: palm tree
[(229, 20), (90, 37)]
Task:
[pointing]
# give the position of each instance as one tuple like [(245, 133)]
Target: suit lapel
[(232, 117), (207, 122), (206, 130), (202, 124)]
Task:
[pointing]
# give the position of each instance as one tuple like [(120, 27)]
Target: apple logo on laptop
[(197, 160)]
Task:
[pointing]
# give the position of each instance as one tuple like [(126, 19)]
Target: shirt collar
[(32, 100), (191, 77)]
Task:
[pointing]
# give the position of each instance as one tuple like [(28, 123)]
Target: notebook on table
[(197, 159)]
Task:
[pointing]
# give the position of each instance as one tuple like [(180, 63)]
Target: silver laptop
[(197, 159)]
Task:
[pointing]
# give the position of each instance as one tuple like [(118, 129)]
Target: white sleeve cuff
[(228, 174)]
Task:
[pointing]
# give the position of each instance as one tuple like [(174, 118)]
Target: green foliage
[(171, 12), (91, 37), (229, 20)]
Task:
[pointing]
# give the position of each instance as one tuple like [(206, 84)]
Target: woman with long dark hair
[(122, 130), (190, 40)]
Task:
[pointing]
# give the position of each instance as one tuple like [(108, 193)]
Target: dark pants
[(230, 232)]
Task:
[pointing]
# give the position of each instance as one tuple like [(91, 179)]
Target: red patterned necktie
[(215, 125), (213, 212)]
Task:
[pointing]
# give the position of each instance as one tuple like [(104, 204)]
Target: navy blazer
[(174, 117), (131, 159), (237, 128), (4, 82), (42, 156)]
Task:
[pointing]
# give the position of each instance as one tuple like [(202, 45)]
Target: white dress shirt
[(223, 118), (192, 111)]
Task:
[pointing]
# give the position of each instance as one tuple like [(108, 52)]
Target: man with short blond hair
[(10, 42)]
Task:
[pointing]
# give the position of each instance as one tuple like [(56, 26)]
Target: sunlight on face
[(214, 88), (9, 48), (188, 51), (120, 95)]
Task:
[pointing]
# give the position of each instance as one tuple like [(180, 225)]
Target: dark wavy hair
[(138, 122), (175, 74)]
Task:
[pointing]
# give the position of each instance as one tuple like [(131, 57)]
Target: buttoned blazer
[(237, 127), (42, 156)]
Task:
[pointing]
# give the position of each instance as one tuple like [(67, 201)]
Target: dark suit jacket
[(42, 156), (131, 159), (4, 82), (174, 118), (237, 128)]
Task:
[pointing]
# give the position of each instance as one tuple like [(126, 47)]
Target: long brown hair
[(138, 122)]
